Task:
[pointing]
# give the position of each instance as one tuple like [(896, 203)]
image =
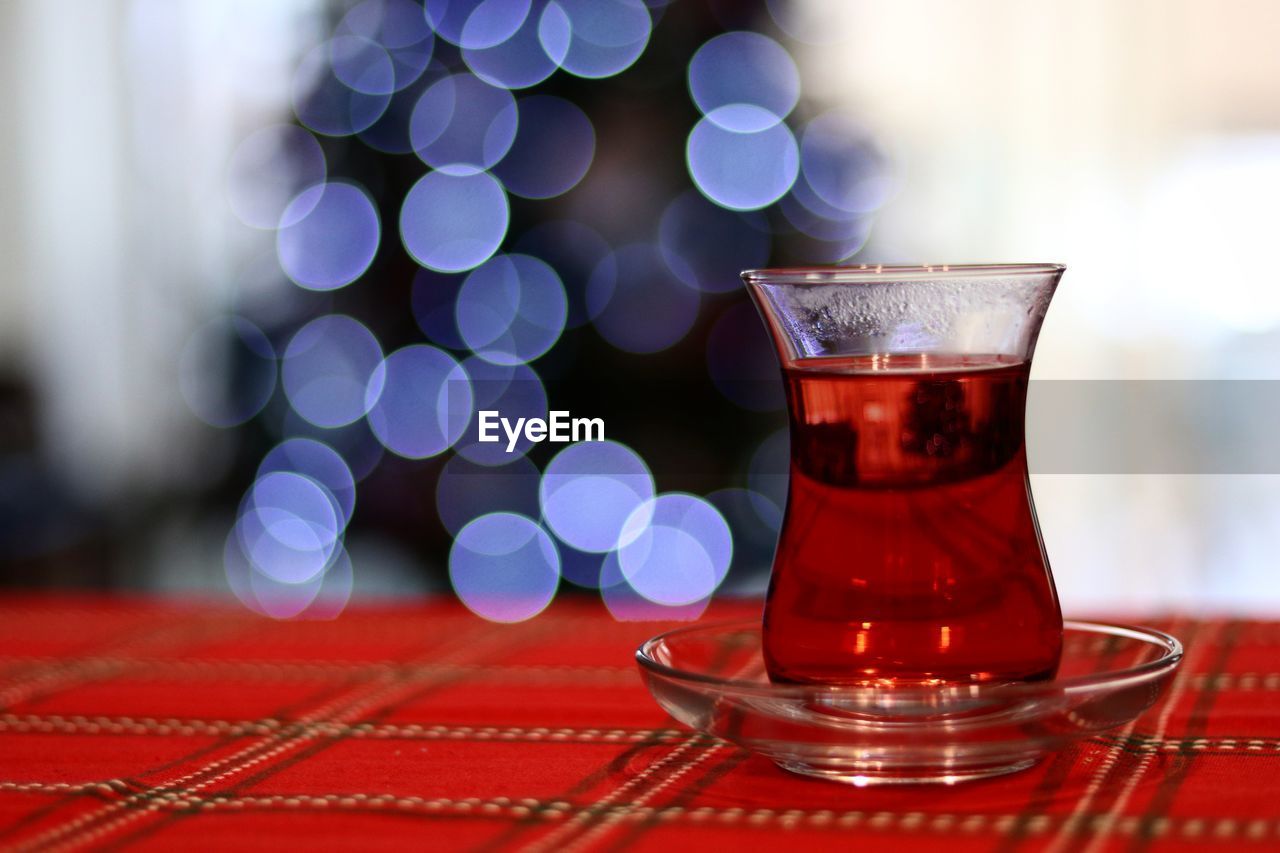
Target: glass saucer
[(711, 677)]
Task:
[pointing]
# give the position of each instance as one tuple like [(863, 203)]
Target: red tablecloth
[(152, 725)]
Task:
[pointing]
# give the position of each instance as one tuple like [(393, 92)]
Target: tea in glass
[(909, 550)]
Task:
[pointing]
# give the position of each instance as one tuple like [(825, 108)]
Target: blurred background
[(263, 262)]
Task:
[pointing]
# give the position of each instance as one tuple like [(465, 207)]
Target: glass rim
[(872, 273)]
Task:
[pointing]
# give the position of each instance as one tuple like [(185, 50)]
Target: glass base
[(863, 776), (711, 678)]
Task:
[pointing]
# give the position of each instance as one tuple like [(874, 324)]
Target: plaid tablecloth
[(160, 726)]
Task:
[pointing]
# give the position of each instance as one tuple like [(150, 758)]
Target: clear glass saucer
[(711, 677)]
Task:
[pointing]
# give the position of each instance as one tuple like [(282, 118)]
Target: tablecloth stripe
[(1168, 705), (95, 826), (359, 701), (1225, 644), (1056, 773), (143, 725)]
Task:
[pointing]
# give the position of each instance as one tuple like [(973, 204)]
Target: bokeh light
[(580, 568), (400, 29), (434, 300), (627, 605), (354, 442), (839, 234), (326, 104), (326, 369), (452, 223), (837, 251), (511, 309), (277, 600), (461, 125), (753, 542), (841, 166), (552, 151), (322, 596), (677, 549), (742, 170), (362, 64), (741, 361), (767, 477), (744, 68), (638, 304), (319, 462), (490, 380), (467, 490), (419, 401), (267, 170), (574, 251), (706, 246), (504, 567), (589, 490), (333, 243), (519, 394), (335, 588), (435, 79), (517, 63), (814, 218), (476, 23), (811, 22), (288, 526), (595, 38), (227, 371), (390, 133)]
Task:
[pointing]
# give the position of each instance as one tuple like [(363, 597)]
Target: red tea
[(910, 551)]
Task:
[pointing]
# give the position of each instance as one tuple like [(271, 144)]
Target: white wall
[(13, 326), (1139, 143), (115, 233)]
